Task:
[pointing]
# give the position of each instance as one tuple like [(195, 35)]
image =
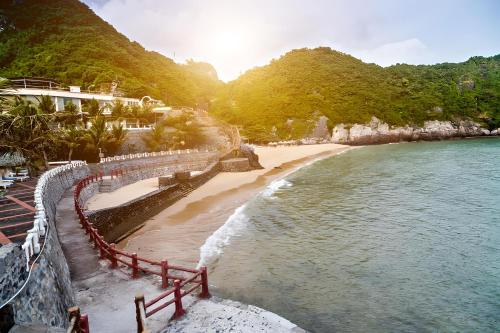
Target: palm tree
[(92, 108), (70, 116), (117, 137), (97, 136), (118, 109), (4, 84), (25, 129), (46, 105), (143, 114), (72, 137), (156, 139)]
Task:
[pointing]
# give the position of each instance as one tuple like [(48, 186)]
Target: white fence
[(49, 190), (153, 154)]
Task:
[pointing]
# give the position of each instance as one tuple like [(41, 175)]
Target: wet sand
[(178, 232)]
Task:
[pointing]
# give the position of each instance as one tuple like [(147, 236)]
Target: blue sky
[(235, 35)]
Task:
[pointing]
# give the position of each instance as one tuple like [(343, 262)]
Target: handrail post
[(84, 323), (102, 254), (96, 236), (90, 227), (114, 262), (135, 266), (139, 301), (179, 311), (164, 274), (204, 283)]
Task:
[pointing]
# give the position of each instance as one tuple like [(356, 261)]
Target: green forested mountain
[(307, 83), (65, 40)]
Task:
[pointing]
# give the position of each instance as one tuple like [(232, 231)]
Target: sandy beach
[(178, 232), (123, 194)]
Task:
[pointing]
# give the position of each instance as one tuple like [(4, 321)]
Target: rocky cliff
[(379, 132)]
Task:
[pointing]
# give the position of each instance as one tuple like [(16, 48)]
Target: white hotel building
[(33, 88)]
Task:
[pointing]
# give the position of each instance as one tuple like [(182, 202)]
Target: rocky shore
[(379, 132)]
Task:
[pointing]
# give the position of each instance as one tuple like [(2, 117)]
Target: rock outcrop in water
[(379, 132)]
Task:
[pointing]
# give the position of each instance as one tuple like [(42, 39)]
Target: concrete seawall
[(116, 222)]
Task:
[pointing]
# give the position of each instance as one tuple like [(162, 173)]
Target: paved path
[(106, 295), (82, 258)]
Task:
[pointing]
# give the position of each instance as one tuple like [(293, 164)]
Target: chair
[(5, 184), (12, 176)]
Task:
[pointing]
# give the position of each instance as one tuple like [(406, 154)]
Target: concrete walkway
[(82, 258), (105, 295)]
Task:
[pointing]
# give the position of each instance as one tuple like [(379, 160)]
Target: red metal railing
[(198, 278)]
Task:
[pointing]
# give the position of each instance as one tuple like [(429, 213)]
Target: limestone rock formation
[(320, 131), (379, 132)]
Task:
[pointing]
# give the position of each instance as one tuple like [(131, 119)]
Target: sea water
[(391, 238)]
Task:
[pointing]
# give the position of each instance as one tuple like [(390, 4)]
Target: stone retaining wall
[(172, 161), (235, 165), (116, 222), (12, 270), (48, 293), (134, 176)]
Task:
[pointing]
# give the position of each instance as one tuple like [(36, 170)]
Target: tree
[(185, 130), (72, 137), (118, 109), (25, 129), (46, 105), (117, 137), (156, 139), (140, 114), (92, 108), (97, 136), (70, 116)]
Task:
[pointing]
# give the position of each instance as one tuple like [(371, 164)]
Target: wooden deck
[(17, 212)]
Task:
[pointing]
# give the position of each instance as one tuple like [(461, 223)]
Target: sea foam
[(214, 245), (274, 186)]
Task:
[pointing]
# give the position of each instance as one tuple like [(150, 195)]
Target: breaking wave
[(214, 245)]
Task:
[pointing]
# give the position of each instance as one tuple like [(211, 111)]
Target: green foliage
[(25, 128), (156, 139), (118, 109), (307, 83), (65, 40), (175, 132), (72, 137), (183, 130), (92, 108), (118, 135), (69, 117)]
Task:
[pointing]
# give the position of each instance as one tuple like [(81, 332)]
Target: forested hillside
[(304, 84), (65, 40)]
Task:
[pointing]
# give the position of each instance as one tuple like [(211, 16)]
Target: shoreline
[(178, 232)]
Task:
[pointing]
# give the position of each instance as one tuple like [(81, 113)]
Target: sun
[(230, 43)]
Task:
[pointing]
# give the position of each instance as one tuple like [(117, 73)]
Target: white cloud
[(236, 35), (410, 51)]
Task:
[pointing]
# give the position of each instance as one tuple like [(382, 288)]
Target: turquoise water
[(392, 238)]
